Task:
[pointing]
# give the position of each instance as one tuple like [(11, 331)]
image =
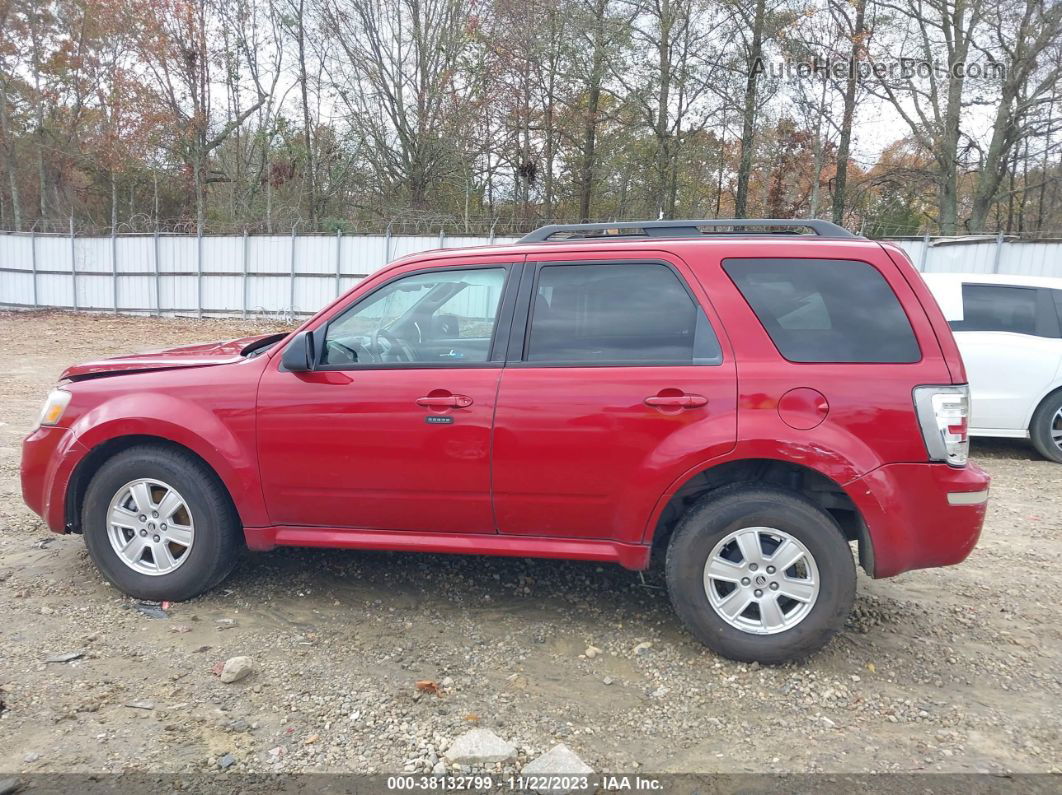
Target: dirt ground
[(956, 670)]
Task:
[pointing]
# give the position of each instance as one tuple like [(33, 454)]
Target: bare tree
[(554, 36), (1026, 34), (854, 28), (401, 83), (295, 19), (669, 88), (929, 97), (754, 61), (599, 33), (40, 19), (6, 75), (175, 48)]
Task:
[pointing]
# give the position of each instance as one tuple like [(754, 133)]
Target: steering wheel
[(396, 347)]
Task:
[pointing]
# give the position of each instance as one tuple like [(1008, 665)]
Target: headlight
[(54, 406)]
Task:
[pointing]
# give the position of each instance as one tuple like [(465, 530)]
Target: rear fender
[(808, 453)]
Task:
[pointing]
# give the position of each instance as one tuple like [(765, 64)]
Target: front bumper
[(49, 455), (919, 516)]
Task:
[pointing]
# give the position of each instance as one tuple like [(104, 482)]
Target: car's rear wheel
[(159, 525), (1046, 427), (760, 574)]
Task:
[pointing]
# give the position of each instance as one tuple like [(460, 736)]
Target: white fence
[(984, 255), (179, 274), (298, 274)]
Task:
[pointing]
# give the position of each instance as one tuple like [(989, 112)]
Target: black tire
[(732, 508), (1043, 423), (215, 548)]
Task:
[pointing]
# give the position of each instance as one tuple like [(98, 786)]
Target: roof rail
[(690, 228)]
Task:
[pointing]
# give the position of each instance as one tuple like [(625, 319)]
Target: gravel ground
[(956, 670)]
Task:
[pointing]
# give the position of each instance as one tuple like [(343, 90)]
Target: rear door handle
[(445, 401), (684, 401)]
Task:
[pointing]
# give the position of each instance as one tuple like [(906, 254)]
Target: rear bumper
[(49, 456), (921, 515)]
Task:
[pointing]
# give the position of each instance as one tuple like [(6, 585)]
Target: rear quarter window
[(826, 310)]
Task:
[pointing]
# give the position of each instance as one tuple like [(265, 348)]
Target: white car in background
[(1009, 331)]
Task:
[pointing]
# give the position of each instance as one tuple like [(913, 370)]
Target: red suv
[(744, 400)]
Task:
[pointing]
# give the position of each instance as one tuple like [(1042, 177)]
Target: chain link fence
[(414, 222)]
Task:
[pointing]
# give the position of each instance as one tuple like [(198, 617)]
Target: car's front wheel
[(159, 525), (760, 574)]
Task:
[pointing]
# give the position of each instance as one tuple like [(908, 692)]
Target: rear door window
[(1000, 307), (826, 310), (617, 313)]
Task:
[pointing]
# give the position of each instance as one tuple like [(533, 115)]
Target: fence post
[(246, 255), (158, 275), (114, 269), (339, 260), (33, 261), (925, 253), (387, 245), (199, 271), (442, 238), (999, 251), (291, 285), (73, 266)]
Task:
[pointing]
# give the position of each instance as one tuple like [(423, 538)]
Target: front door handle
[(445, 401), (682, 401)]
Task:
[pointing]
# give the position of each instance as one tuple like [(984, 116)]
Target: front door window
[(442, 316)]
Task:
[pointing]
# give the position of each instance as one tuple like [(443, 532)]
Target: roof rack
[(690, 228)]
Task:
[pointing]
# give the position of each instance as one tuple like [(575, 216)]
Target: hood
[(199, 355)]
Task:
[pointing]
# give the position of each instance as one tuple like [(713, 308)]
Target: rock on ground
[(561, 761), (236, 668), (477, 747)]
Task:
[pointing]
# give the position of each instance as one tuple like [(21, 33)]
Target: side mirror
[(300, 355)]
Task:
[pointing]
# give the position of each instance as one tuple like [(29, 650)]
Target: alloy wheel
[(761, 580), (150, 527)]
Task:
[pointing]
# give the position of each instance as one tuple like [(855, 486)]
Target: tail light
[(944, 413)]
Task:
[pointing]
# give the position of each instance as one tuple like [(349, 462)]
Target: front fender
[(223, 439)]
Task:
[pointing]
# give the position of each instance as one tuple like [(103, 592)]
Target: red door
[(621, 386), (392, 430)]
